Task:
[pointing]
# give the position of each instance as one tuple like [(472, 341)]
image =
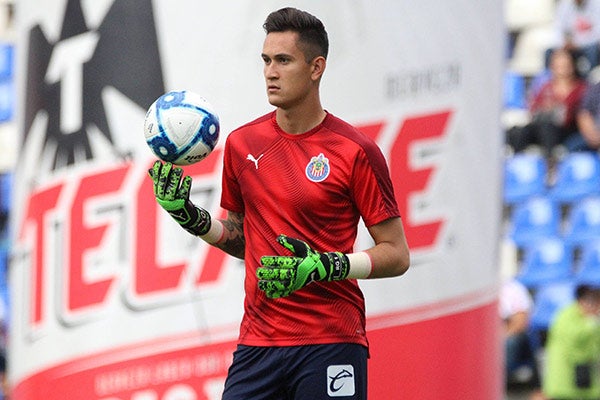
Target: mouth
[(272, 88)]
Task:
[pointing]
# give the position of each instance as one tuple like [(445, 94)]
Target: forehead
[(561, 56), (281, 43), (593, 295)]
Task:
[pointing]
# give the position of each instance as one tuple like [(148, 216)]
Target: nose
[(270, 71)]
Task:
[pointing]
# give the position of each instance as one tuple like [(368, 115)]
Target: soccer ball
[(181, 127)]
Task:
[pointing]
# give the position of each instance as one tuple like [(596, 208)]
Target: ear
[(318, 65)]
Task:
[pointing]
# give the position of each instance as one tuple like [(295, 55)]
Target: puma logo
[(254, 160)]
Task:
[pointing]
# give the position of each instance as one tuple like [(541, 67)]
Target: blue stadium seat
[(547, 300), (578, 176), (588, 270), (545, 261), (536, 217), (524, 176), (6, 182), (583, 221), (515, 93)]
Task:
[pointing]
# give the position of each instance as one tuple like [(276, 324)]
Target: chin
[(276, 102)]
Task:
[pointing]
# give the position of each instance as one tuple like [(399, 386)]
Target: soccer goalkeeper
[(296, 182)]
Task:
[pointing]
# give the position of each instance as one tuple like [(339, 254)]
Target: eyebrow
[(278, 55)]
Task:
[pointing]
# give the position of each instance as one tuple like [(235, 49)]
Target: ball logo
[(317, 169), (340, 380)]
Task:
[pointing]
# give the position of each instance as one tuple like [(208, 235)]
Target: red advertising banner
[(113, 300)]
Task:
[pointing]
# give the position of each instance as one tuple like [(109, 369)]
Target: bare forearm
[(388, 260), (517, 323), (588, 128), (233, 241), (390, 256), (227, 235)]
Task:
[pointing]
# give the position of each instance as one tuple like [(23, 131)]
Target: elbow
[(403, 263), (393, 264), (399, 264)]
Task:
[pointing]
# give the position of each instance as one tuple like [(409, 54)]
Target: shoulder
[(359, 148), (517, 295), (568, 313), (253, 124), (350, 133), (513, 286), (254, 137), (251, 133), (544, 90)]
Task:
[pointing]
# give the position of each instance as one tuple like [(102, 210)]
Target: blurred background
[(529, 211)]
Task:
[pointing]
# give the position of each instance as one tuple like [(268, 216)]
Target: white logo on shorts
[(340, 380)]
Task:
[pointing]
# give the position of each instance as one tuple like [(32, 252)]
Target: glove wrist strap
[(202, 224), (198, 221), (338, 266)]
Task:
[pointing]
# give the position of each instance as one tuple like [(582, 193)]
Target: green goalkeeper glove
[(173, 194), (281, 275)]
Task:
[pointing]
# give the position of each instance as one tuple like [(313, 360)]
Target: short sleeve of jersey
[(372, 187), (231, 197), (370, 183)]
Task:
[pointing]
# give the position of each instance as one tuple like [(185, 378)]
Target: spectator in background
[(515, 305), (4, 391), (577, 28), (553, 109), (588, 119), (573, 349)]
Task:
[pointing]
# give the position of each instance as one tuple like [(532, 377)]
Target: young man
[(295, 184)]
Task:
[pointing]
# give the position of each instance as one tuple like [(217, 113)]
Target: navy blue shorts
[(314, 372)]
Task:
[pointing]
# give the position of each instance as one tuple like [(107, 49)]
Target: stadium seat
[(521, 14), (6, 182), (515, 92), (547, 300), (583, 221), (588, 270), (536, 217), (578, 176), (524, 177), (530, 47), (545, 261)]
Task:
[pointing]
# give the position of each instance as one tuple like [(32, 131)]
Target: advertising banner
[(113, 301)]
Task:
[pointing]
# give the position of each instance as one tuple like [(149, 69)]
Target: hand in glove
[(279, 276), (173, 194)]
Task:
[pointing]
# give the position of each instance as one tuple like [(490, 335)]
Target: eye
[(282, 59)]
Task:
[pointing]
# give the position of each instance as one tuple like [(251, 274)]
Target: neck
[(300, 119), (564, 79)]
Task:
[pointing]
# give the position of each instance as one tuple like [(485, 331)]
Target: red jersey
[(315, 187)]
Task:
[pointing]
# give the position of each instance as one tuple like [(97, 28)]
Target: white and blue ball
[(181, 127)]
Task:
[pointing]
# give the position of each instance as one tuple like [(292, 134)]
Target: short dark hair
[(585, 290), (312, 36)]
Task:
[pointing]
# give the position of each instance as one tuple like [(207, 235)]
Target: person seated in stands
[(577, 28), (553, 109), (515, 306), (588, 119), (572, 363)]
